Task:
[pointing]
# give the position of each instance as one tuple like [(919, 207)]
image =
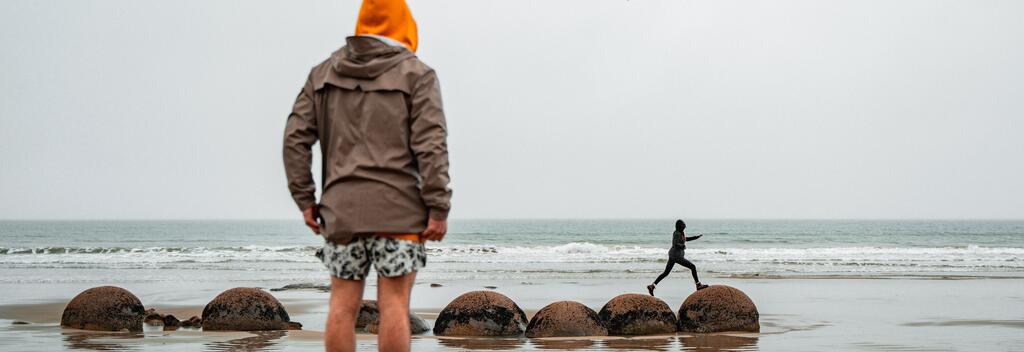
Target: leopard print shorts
[(390, 257)]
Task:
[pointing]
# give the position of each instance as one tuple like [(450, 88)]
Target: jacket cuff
[(305, 202), (439, 214)]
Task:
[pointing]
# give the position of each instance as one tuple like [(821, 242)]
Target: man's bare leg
[(393, 301), (346, 296)]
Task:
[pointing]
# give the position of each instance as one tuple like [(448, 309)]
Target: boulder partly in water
[(637, 314), (369, 319), (718, 308), (368, 313), (245, 309), (416, 325), (566, 318), (480, 313), (104, 308)]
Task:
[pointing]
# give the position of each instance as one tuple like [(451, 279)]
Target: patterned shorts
[(390, 257)]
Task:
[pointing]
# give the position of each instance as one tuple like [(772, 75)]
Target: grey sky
[(556, 109)]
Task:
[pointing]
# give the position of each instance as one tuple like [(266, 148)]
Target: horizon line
[(547, 219)]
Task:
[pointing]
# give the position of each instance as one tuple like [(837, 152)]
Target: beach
[(907, 301), (933, 314)]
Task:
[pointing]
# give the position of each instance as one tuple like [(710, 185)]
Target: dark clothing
[(676, 256), (679, 240), (376, 111)]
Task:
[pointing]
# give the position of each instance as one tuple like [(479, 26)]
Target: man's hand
[(310, 215), (436, 229)]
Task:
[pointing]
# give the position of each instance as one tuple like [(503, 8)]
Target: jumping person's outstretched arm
[(691, 238)]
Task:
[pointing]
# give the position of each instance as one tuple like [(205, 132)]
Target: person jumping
[(675, 256)]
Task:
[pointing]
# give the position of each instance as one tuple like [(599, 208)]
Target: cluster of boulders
[(109, 308), (170, 322), (477, 313), (486, 313)]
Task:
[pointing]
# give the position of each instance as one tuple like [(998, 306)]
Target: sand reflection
[(714, 343), (481, 343), (262, 341), (643, 343), (562, 344), (99, 341)]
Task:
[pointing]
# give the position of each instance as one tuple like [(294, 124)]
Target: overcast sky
[(556, 109)]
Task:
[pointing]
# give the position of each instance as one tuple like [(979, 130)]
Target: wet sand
[(797, 314)]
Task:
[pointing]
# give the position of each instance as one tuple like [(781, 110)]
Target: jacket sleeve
[(300, 134), (691, 238), (429, 144)]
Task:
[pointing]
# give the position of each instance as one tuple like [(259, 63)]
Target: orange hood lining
[(388, 18)]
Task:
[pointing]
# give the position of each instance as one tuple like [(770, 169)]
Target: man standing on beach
[(375, 109)]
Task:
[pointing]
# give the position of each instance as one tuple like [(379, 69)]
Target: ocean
[(279, 250), (898, 285)]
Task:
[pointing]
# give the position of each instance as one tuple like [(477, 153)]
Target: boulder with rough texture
[(171, 322), (416, 325), (368, 313), (193, 322), (718, 308), (369, 319), (154, 318), (637, 314), (565, 318), (245, 309), (480, 313), (105, 308)]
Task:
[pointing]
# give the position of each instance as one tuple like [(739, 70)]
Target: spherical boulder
[(565, 318), (416, 325), (637, 314), (718, 308), (104, 308), (245, 309), (368, 313), (480, 313)]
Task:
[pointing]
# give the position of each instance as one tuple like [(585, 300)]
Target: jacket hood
[(680, 225), (366, 57), (388, 18)]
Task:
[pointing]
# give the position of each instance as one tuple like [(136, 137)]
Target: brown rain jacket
[(376, 111)]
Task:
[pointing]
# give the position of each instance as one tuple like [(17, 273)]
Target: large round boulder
[(480, 313), (565, 318), (104, 308), (245, 309), (718, 308), (636, 314)]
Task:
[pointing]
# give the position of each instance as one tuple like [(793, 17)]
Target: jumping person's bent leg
[(668, 269), (346, 296), (693, 268), (393, 300)]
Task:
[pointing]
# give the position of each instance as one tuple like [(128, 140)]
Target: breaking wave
[(910, 259)]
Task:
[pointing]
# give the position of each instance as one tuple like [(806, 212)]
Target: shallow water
[(796, 315)]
